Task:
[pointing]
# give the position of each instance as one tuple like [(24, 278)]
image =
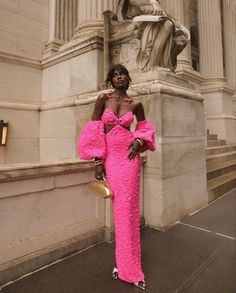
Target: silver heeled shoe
[(115, 273), (140, 285)]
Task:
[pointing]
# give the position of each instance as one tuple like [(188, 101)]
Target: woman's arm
[(92, 140), (137, 143), (144, 131), (99, 107), (139, 111), (97, 114)]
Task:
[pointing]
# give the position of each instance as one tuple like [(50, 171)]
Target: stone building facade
[(54, 56)]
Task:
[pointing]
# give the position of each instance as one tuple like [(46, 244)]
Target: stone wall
[(24, 27), (23, 33)]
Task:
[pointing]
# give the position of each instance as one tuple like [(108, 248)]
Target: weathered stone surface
[(20, 150), (49, 211), (19, 122), (182, 117), (13, 189), (19, 83), (22, 25), (57, 149), (68, 77)]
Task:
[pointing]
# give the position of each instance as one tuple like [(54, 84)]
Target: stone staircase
[(221, 167)]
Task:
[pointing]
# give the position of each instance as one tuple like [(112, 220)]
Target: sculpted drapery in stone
[(162, 38)]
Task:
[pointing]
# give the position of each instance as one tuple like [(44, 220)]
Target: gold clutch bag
[(101, 188)]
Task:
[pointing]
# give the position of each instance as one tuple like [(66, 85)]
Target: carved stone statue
[(162, 38)]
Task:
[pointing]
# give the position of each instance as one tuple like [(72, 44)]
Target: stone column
[(90, 15), (210, 39), (217, 94), (62, 22), (53, 44), (229, 16), (229, 10), (178, 9)]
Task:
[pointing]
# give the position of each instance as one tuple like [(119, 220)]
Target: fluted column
[(62, 23), (53, 44), (90, 15), (229, 10), (178, 9), (210, 39)]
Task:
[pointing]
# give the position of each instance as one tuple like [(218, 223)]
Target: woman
[(108, 140)]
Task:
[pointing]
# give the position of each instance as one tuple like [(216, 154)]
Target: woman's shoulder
[(102, 98)]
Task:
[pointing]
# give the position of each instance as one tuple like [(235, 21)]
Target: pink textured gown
[(123, 177)]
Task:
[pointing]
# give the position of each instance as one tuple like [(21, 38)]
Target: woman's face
[(120, 80)]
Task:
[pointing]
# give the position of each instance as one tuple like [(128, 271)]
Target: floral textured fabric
[(123, 177), (92, 142)]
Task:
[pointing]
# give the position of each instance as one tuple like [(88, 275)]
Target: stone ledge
[(19, 106), (189, 74), (74, 48), (16, 172), (223, 116), (19, 60), (35, 170)]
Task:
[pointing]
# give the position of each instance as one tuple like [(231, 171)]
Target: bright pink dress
[(123, 177)]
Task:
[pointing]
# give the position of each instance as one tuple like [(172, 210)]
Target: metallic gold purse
[(101, 188)]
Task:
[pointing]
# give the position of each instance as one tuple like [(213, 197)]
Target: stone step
[(220, 149), (214, 160), (221, 185), (212, 136), (221, 169), (217, 142)]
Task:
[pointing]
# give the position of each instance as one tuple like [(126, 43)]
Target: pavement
[(197, 255)]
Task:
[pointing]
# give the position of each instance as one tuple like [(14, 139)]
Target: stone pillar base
[(85, 29), (52, 47), (224, 126), (219, 110)]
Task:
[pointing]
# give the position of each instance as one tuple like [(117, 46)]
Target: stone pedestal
[(175, 174)]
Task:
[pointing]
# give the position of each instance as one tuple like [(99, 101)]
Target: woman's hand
[(100, 172), (135, 146)]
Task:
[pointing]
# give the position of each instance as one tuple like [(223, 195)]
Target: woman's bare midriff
[(108, 128)]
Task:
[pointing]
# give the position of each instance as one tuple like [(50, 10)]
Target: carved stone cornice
[(19, 60), (19, 106), (189, 74), (51, 47), (74, 48), (138, 90), (39, 169)]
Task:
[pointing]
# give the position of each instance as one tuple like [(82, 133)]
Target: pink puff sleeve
[(145, 131), (92, 142)]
